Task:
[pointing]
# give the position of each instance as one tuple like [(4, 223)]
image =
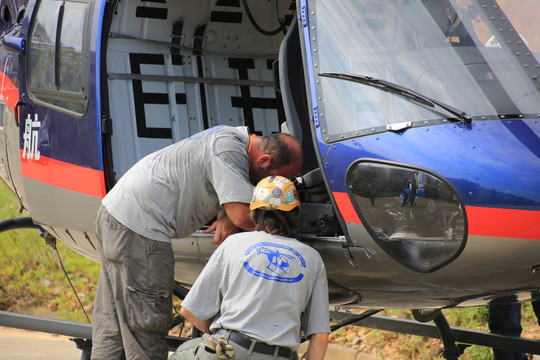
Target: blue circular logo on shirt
[(275, 262)]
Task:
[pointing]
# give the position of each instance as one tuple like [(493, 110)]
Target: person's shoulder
[(226, 136), (249, 239), (294, 244), (240, 237), (226, 129), (307, 250)]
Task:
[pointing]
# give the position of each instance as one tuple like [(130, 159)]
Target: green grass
[(31, 279)]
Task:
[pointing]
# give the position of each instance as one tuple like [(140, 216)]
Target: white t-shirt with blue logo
[(268, 287), (176, 190)]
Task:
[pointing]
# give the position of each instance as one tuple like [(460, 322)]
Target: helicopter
[(419, 122)]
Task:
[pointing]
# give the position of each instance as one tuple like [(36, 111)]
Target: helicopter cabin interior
[(176, 68)]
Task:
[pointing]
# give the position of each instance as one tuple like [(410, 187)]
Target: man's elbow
[(238, 214), (187, 315), (321, 338)]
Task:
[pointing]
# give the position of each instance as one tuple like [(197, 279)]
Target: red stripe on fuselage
[(53, 172), (65, 175), (346, 207), (483, 221), (9, 93)]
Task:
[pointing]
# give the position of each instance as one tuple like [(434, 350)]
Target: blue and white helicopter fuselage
[(419, 120)]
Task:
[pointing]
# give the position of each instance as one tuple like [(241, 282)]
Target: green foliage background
[(31, 279)]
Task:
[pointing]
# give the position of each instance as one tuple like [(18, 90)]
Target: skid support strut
[(450, 350)]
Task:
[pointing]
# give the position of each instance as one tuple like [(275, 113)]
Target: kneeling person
[(260, 290)]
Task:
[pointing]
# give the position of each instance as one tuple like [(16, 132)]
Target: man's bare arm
[(236, 216), (238, 213), (317, 346), (204, 326)]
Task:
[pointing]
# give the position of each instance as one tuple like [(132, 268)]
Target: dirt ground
[(17, 344), (20, 344)]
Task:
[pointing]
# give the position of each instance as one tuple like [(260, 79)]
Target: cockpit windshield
[(482, 60)]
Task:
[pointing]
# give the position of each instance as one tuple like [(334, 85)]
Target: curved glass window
[(42, 48), (448, 50), (58, 64), (71, 70), (415, 216)]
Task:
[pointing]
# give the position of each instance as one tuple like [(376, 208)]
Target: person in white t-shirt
[(261, 290)]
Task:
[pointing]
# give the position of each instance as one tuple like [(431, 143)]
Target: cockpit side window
[(57, 59)]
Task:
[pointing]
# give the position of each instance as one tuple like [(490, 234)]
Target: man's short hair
[(275, 145)]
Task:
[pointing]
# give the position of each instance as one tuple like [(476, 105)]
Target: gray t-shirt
[(176, 190), (268, 287)]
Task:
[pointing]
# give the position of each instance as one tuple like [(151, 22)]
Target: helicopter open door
[(178, 68)]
